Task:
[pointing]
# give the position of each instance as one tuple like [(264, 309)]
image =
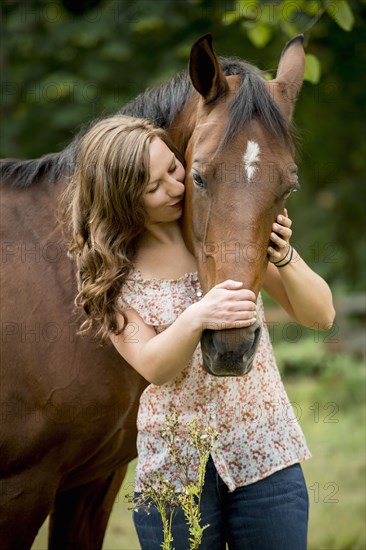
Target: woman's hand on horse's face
[(226, 305), (280, 237)]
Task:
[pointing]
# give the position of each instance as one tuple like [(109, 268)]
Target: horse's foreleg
[(25, 501), (79, 517)]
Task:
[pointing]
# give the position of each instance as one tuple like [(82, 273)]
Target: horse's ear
[(290, 73), (205, 71)]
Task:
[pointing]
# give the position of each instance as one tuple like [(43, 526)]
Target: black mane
[(253, 100), (161, 104)]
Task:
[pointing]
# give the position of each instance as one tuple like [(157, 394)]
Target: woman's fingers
[(244, 295), (239, 323), (243, 305), (236, 290), (280, 237), (284, 221), (278, 241), (230, 305), (244, 323), (282, 231), (229, 284)]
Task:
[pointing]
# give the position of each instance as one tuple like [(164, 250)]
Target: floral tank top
[(258, 430)]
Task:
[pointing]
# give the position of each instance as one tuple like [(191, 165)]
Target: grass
[(328, 393), (335, 476)]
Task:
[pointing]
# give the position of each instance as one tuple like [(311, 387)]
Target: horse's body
[(68, 406)]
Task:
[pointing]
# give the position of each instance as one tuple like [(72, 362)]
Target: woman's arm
[(297, 288), (161, 357)]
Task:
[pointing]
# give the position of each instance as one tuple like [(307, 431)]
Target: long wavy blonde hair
[(103, 214)]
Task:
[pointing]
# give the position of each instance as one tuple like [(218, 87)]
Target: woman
[(138, 285)]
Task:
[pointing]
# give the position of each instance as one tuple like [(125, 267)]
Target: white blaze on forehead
[(251, 157)]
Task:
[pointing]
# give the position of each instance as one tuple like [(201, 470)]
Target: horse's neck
[(181, 128)]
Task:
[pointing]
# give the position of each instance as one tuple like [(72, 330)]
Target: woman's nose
[(176, 187)]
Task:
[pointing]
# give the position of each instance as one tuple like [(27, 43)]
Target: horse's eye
[(292, 190), (198, 181)]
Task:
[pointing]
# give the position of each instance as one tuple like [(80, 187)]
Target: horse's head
[(240, 170)]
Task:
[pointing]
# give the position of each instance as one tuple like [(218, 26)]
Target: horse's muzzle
[(230, 352)]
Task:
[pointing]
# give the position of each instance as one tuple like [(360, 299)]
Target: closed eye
[(153, 189)]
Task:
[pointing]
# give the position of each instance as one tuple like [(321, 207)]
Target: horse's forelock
[(253, 100)]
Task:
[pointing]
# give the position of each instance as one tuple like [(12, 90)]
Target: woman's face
[(164, 192)]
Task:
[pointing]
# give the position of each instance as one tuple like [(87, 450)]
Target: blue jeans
[(271, 514)]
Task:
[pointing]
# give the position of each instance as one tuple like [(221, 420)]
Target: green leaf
[(240, 10), (313, 7), (342, 14), (148, 24), (247, 8), (312, 68), (289, 29), (289, 7), (259, 35), (191, 490)]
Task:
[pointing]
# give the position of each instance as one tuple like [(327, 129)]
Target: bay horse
[(68, 405)]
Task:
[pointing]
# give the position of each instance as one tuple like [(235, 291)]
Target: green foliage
[(335, 475), (162, 492), (261, 19), (312, 69), (342, 14), (340, 375)]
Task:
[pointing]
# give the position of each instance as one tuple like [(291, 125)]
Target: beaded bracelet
[(288, 261)]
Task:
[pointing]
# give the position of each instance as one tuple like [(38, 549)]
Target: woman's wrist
[(193, 318), (287, 258)]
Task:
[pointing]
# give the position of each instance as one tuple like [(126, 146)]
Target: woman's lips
[(177, 205)]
